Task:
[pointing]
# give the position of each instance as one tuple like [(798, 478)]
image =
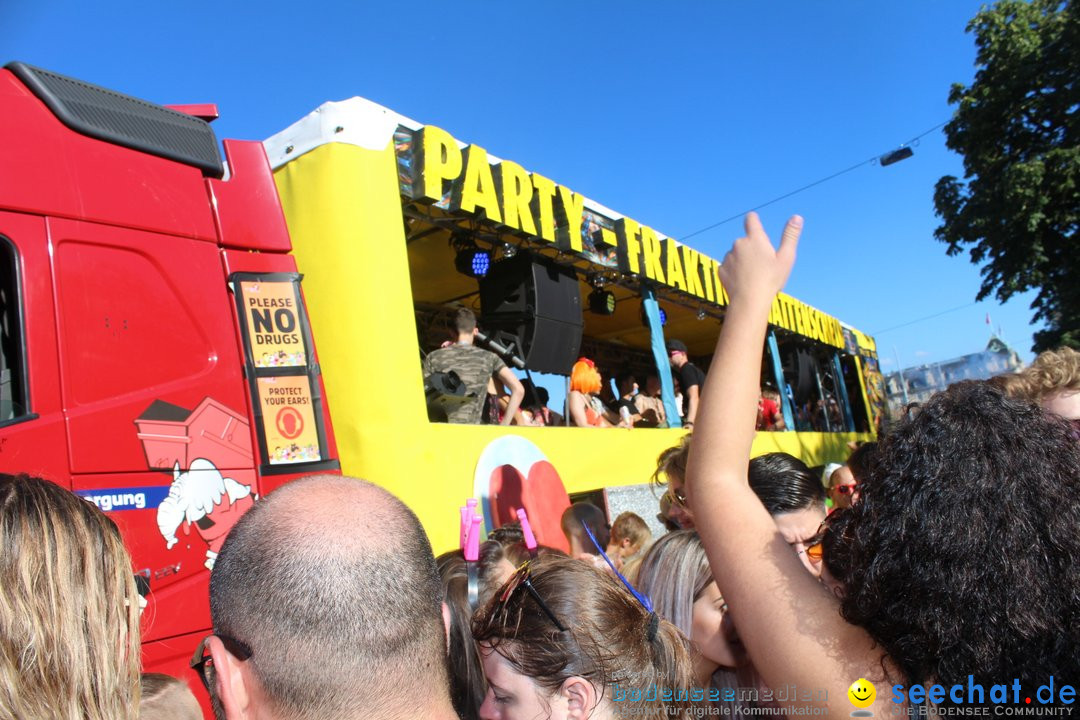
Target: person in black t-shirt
[(626, 383), (691, 378)]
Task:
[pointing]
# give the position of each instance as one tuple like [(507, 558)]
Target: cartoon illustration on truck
[(203, 497), (194, 444)]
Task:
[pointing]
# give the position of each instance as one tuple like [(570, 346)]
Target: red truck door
[(158, 429)]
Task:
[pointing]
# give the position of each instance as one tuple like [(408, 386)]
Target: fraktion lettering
[(509, 196)]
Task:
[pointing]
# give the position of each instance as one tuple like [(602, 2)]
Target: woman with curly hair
[(563, 641), (69, 612), (960, 556)]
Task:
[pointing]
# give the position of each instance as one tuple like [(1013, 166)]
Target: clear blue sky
[(676, 114)]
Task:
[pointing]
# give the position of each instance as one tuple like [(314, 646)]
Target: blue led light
[(481, 262)]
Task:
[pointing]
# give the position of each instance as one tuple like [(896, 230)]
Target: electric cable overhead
[(856, 166), (928, 317)]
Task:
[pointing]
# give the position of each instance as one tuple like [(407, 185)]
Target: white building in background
[(922, 381)]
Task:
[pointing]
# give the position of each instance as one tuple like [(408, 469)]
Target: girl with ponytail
[(563, 641)]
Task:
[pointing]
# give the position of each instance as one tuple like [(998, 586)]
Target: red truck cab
[(155, 352)]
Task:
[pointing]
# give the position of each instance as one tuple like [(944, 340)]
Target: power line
[(856, 166), (919, 320)]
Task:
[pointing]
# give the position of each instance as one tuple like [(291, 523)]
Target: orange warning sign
[(288, 419), (273, 324)]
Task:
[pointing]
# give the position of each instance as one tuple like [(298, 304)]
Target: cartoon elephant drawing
[(202, 497)]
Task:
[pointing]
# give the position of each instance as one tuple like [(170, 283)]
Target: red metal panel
[(203, 111), (36, 445), (52, 170), (143, 318), (247, 207)]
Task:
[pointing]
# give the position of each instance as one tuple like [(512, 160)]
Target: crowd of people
[(483, 390), (948, 558)]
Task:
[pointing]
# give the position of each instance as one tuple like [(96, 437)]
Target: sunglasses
[(677, 495), (847, 489), (202, 660), (522, 578), (814, 547)]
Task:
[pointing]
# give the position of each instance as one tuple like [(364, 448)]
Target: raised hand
[(753, 268)]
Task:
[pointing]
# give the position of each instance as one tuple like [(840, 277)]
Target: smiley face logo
[(861, 693)]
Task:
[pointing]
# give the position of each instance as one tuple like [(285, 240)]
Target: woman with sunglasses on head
[(565, 642), (959, 555), (69, 611)]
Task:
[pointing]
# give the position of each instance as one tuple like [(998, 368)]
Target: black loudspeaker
[(799, 368), (539, 303)]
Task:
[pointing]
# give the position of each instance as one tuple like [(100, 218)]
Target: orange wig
[(584, 377)]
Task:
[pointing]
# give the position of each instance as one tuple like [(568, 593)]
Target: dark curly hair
[(962, 552)]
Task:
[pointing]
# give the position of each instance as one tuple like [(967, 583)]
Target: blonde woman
[(675, 575), (69, 613)]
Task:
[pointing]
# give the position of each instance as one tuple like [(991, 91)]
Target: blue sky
[(677, 114)]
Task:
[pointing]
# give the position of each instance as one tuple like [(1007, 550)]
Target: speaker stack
[(538, 304)]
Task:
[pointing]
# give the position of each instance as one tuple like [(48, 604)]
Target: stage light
[(602, 302), (472, 261)]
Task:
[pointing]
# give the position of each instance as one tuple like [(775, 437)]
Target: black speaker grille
[(540, 304), (123, 120)]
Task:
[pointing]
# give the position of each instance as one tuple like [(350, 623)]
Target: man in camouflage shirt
[(475, 366)]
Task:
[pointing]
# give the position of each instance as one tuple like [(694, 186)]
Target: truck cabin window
[(13, 401)]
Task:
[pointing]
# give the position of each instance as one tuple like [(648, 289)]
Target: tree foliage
[(1018, 129)]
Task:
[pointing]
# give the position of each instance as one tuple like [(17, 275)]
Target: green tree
[(1018, 129)]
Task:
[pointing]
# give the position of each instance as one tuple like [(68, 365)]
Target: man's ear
[(580, 696), (233, 683), (446, 625)]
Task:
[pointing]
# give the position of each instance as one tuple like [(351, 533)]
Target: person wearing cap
[(691, 378)]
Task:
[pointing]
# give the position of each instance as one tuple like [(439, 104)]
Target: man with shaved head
[(326, 604)]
